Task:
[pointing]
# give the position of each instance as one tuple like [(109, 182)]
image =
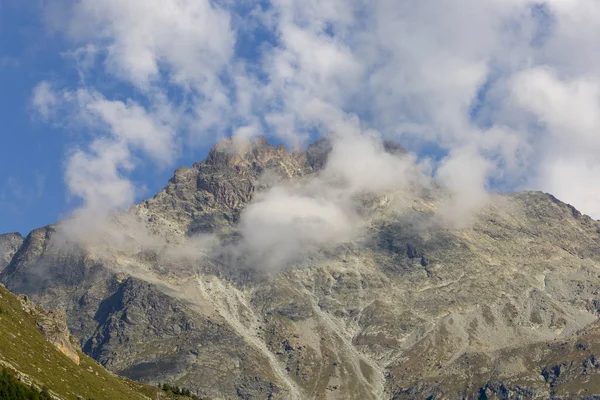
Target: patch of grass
[(25, 351)]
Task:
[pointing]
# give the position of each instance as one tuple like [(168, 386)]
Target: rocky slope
[(36, 348), (9, 245), (506, 307), (53, 325)]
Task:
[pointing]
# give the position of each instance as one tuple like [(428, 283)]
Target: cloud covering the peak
[(498, 94)]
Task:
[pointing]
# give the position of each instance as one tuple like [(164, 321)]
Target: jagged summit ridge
[(230, 152), (211, 194), (214, 192)]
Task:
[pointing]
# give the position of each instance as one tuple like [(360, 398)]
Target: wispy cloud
[(43, 99), (507, 91)]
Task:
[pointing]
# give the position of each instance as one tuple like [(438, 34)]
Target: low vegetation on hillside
[(34, 369), (12, 389)]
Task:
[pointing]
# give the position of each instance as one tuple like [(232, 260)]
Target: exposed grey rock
[(568, 371), (394, 148), (256, 388), (318, 153), (53, 325), (210, 196), (500, 391), (147, 335), (9, 245), (410, 309)]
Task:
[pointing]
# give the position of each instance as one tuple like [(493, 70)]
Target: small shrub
[(12, 389), (177, 391)]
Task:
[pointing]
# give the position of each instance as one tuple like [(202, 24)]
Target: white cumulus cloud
[(498, 93)]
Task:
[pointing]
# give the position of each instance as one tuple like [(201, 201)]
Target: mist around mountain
[(341, 271)]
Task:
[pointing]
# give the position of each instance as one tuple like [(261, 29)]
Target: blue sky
[(31, 156), (102, 99)]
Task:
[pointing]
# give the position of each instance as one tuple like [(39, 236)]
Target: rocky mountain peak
[(235, 152), (30, 250), (210, 195), (411, 309), (318, 153), (9, 245), (394, 148)]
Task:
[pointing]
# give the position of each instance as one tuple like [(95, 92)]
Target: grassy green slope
[(24, 350)]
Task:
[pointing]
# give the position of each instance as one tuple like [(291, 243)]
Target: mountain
[(505, 306), (9, 245), (36, 350)]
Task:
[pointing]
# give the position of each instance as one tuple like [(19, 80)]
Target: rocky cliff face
[(36, 350), (504, 308), (9, 245), (53, 325)]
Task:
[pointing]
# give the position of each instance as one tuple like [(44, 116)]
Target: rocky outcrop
[(568, 371), (9, 245), (53, 325)]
